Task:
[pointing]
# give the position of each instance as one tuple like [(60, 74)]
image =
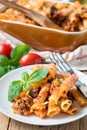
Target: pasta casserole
[(45, 93), (71, 17)]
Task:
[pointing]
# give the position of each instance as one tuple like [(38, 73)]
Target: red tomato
[(29, 59), (5, 49)]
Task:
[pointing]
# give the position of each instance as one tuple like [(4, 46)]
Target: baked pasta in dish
[(45, 93), (71, 17)]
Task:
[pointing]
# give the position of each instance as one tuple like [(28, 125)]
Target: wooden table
[(9, 124)]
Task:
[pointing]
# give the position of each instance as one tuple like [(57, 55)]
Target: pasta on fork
[(47, 93)]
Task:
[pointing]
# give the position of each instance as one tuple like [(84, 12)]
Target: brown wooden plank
[(15, 125), (4, 122), (70, 126), (83, 123)]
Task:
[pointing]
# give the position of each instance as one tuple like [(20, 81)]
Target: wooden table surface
[(7, 123)]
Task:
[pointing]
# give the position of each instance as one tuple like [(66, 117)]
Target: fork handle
[(82, 87), (78, 83)]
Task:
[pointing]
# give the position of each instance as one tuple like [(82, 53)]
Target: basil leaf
[(20, 50), (27, 85), (15, 89), (17, 53), (14, 61), (38, 75), (3, 70), (3, 60), (13, 67), (25, 76)]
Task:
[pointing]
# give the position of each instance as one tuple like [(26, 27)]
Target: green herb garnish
[(7, 65), (16, 86), (25, 76), (38, 75), (60, 81), (17, 53), (15, 89), (3, 70), (3, 60)]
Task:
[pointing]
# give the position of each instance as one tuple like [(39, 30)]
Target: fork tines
[(63, 66)]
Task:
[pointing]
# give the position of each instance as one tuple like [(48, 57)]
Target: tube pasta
[(65, 105), (69, 17), (39, 108), (42, 113), (63, 89), (82, 101), (52, 95), (57, 94), (42, 94), (53, 109), (72, 110)]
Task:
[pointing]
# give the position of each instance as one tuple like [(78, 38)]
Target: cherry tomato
[(29, 59), (5, 49)]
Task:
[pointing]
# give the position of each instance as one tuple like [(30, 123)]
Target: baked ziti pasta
[(70, 17), (45, 93)]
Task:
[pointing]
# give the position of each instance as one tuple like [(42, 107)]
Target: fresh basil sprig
[(15, 89), (20, 50), (17, 53), (16, 86), (38, 75), (34, 77), (7, 65)]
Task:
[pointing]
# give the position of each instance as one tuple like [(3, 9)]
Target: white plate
[(5, 106)]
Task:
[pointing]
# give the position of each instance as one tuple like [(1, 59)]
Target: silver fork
[(63, 66)]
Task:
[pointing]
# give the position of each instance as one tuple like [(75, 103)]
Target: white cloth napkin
[(77, 58)]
